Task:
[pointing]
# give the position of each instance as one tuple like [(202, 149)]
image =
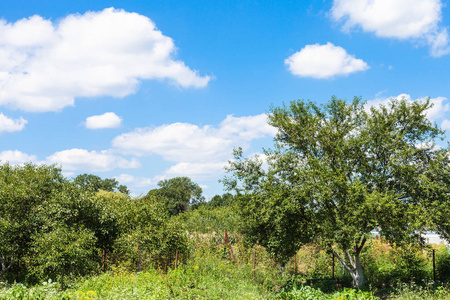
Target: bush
[(378, 263), (410, 264), (443, 263), (207, 220)]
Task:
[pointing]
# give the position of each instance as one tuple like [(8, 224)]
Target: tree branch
[(341, 260)]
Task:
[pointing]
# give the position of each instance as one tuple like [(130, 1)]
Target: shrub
[(410, 264), (443, 263)]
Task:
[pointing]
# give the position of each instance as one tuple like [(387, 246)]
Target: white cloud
[(199, 152), (46, 65), (68, 174), (445, 124), (91, 161), (107, 120), (197, 171), (324, 61), (10, 125), (437, 111), (184, 142), (16, 157), (400, 19), (137, 182)]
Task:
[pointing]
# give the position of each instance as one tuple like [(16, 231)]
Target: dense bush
[(207, 219), (443, 263), (410, 264)]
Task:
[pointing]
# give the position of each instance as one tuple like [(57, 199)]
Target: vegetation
[(337, 172), (179, 194)]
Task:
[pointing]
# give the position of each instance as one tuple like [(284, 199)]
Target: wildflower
[(195, 267)]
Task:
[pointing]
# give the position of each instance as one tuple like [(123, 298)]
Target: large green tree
[(339, 171)]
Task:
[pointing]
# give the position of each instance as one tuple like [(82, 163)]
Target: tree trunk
[(354, 266), (103, 261), (357, 275), (4, 267)]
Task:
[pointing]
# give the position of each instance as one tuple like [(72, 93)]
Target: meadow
[(208, 271)]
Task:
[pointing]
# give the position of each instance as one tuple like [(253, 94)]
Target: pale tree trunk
[(353, 266), (4, 266)]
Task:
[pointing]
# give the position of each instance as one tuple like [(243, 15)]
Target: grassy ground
[(210, 278), (210, 273)]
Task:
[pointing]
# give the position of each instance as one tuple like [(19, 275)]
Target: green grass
[(208, 273), (204, 281)]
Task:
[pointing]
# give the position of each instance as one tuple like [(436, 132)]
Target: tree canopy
[(180, 193), (51, 227), (95, 183), (339, 171)]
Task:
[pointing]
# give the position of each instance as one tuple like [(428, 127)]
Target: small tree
[(338, 172), (145, 227), (23, 190), (62, 248)]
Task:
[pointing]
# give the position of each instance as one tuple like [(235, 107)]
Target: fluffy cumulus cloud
[(139, 183), (184, 142), (324, 61), (401, 19), (196, 171), (106, 120), (90, 161), (46, 64), (199, 152), (11, 125), (438, 110), (16, 157)]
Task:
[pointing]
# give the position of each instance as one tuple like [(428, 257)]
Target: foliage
[(179, 194), (408, 291), (60, 250), (209, 273), (88, 218), (226, 199), (145, 227), (443, 263), (206, 219), (337, 172), (309, 293), (95, 183), (23, 190), (314, 262), (410, 265)]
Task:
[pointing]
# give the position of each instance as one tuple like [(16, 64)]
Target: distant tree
[(221, 200), (123, 189), (179, 194), (337, 172), (95, 183)]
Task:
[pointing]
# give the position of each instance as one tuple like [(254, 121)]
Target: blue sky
[(146, 90)]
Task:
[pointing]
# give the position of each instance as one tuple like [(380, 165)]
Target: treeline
[(337, 172), (52, 227)]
